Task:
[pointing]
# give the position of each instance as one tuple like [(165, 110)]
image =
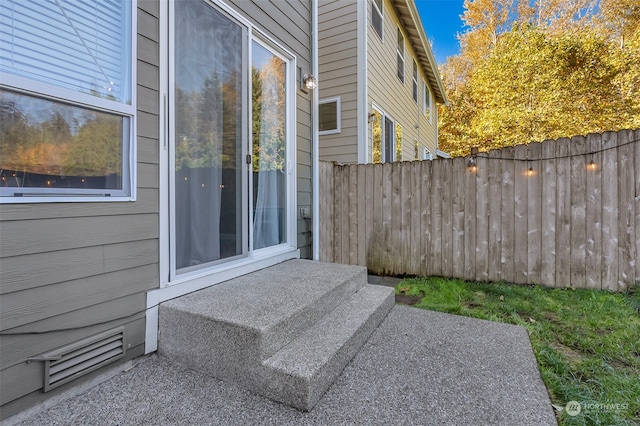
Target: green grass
[(587, 342)]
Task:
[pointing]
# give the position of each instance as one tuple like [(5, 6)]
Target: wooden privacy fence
[(558, 213)]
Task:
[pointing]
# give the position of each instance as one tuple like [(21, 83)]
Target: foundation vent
[(77, 359)]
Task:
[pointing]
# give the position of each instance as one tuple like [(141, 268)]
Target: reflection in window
[(398, 142), (268, 84), (376, 133), (47, 144)]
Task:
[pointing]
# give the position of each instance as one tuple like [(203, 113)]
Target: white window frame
[(74, 98), (376, 9), (427, 106), (338, 128), (400, 57), (414, 87)]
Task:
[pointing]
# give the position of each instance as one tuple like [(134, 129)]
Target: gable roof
[(410, 19)]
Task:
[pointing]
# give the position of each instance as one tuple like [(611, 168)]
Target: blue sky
[(441, 21)]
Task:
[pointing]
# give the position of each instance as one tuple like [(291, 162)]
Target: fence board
[(482, 222), (374, 262), (416, 222), (520, 206), (636, 179), (470, 224), (425, 219), (609, 212), (626, 193), (337, 234), (494, 215), (369, 190), (548, 214), (352, 249), (534, 216), (507, 216), (361, 206), (436, 218), (326, 212), (387, 205), (578, 211), (405, 193), (563, 214), (447, 220), (593, 244), (457, 227)]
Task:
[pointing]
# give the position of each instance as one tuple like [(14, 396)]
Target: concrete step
[(242, 330), (302, 371)]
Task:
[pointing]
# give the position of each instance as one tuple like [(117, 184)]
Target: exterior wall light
[(309, 82)]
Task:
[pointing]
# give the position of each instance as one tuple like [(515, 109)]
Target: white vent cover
[(72, 361)]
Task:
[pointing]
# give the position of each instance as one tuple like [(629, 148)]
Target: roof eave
[(412, 24)]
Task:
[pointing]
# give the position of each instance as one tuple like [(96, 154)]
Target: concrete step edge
[(302, 371)]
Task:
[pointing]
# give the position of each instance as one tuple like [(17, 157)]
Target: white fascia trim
[(362, 90), (180, 287)]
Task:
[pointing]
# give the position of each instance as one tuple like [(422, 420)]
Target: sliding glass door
[(229, 135)]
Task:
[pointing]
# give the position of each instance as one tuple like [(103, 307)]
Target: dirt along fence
[(559, 213)]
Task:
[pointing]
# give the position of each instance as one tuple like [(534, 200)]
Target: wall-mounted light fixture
[(309, 82)]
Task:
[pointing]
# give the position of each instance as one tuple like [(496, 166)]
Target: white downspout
[(315, 150)]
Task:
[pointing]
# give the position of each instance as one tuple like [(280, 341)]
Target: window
[(415, 82), (377, 16), (329, 116), (377, 136), (426, 102), (66, 101), (386, 137), (400, 54), (398, 142), (415, 149)]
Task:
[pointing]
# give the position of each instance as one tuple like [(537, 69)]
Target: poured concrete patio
[(419, 367)]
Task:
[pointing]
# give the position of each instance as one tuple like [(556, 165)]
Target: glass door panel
[(207, 140), (268, 74)]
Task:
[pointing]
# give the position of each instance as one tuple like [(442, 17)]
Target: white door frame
[(173, 285)]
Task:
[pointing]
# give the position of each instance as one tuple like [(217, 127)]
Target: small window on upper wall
[(427, 102), (400, 54), (329, 116), (377, 15), (67, 101)]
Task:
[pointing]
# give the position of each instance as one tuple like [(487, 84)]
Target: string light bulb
[(471, 164), (530, 171), (592, 165)]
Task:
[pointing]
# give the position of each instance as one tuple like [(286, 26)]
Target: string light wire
[(479, 155)]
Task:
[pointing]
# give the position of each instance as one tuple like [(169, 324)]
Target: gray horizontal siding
[(69, 266)]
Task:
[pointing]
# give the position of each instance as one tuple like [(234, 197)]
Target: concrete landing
[(418, 368), (285, 332)]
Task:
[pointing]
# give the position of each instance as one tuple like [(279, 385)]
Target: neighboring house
[(126, 129), (379, 83)]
